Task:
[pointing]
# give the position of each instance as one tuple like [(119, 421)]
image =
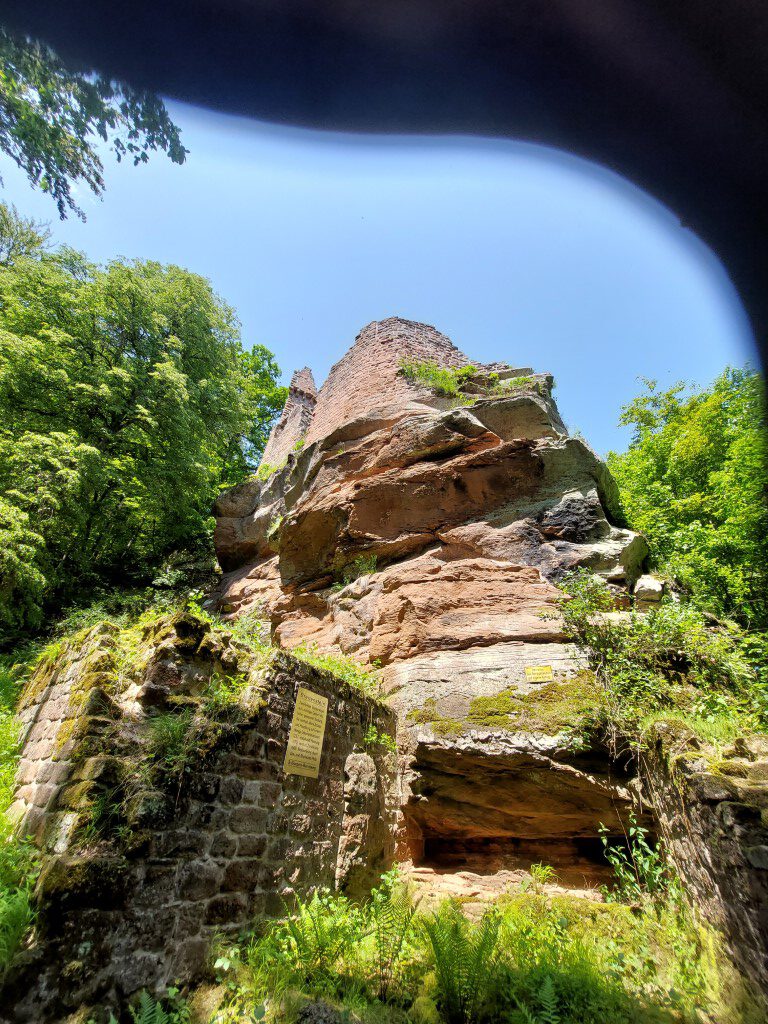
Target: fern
[(392, 911), (150, 1011), (548, 1012), (465, 960), (320, 931), (548, 998)]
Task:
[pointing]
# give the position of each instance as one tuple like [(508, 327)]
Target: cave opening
[(472, 813)]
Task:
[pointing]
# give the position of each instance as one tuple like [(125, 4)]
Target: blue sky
[(517, 252)]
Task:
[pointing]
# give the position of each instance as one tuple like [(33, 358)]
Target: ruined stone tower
[(291, 429)]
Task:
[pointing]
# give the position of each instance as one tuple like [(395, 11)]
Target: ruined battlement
[(294, 422), (364, 380)]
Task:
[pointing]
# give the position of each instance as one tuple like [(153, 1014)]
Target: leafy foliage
[(18, 861), (531, 958), (152, 1011), (694, 482), (639, 868), (667, 661), (391, 913), (363, 565), (50, 115), (443, 380), (375, 738), (118, 386), (464, 958)]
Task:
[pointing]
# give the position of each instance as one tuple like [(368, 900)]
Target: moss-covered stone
[(78, 796), (70, 881), (570, 706)]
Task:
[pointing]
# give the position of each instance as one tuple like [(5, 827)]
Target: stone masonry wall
[(715, 826), (53, 712), (367, 377), (294, 421), (236, 841)]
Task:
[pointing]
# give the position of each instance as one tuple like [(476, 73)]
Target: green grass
[(443, 380), (360, 677)]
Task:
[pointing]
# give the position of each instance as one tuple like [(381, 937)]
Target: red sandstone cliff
[(412, 527)]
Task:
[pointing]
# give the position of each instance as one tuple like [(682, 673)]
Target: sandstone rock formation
[(424, 532), (467, 509), (417, 522)]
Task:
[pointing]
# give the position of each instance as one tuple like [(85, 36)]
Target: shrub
[(640, 870), (374, 738), (666, 661), (465, 960), (443, 380)]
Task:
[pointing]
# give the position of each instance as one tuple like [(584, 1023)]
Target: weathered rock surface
[(457, 514), (425, 534)]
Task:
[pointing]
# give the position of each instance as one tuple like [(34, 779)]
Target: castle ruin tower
[(368, 380), (294, 422)]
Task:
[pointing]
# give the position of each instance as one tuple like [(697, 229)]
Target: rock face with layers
[(423, 529), (414, 526)]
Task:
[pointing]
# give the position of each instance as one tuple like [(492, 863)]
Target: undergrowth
[(443, 380), (18, 860), (366, 680), (530, 957), (452, 381), (670, 664)]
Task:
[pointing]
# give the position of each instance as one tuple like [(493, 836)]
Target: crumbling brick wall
[(367, 377), (236, 839), (294, 421), (63, 699)]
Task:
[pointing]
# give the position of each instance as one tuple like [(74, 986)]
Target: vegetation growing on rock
[(666, 664)]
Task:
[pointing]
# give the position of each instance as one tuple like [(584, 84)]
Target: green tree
[(125, 397), (694, 482), (51, 115)]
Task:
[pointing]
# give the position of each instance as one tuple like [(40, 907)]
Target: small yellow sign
[(539, 673), (305, 740)]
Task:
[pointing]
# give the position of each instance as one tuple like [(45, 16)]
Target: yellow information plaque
[(539, 673), (305, 740)]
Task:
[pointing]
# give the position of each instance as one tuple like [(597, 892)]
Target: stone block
[(248, 820), (648, 589), (180, 842), (190, 958), (231, 789), (251, 846), (270, 794), (226, 909), (224, 846), (245, 875), (251, 791), (253, 744), (198, 879)]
